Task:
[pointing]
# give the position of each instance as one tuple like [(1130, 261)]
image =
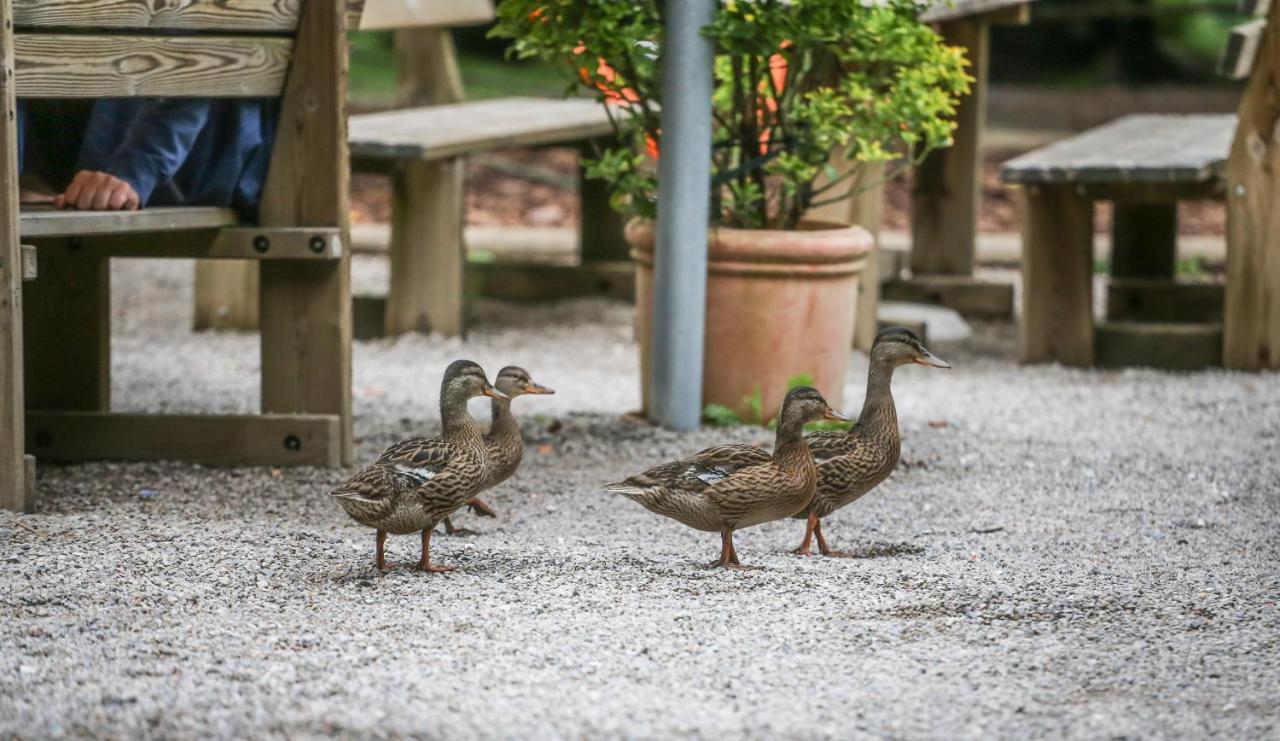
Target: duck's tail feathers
[(626, 489)]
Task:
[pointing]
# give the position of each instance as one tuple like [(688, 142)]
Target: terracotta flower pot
[(779, 304)]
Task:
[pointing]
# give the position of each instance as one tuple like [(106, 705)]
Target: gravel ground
[(1062, 553)]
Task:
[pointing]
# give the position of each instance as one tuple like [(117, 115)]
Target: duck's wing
[(699, 471), (373, 491), (740, 494), (420, 458)]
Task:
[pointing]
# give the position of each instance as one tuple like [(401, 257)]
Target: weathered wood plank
[(1252, 306), (232, 243), (83, 66), (306, 306), (386, 15), (13, 485), (263, 16), (227, 295), (979, 10), (1163, 300), (964, 293), (30, 269), (67, 325), (1152, 345), (946, 191), (50, 222), (1136, 149), (1241, 52), (1255, 7), (447, 131), (1057, 277), (248, 440)]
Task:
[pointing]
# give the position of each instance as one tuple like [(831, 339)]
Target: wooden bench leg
[(226, 295), (1057, 277), (13, 485), (427, 253), (67, 326), (29, 471), (1144, 240), (601, 229)]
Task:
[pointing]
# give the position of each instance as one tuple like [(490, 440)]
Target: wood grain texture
[(49, 222), (68, 330), (427, 253), (1251, 338), (263, 16), (1057, 277), (13, 485), (233, 243), (247, 440), (387, 15), (83, 66), (306, 306), (1155, 148), (1241, 51), (947, 188), (447, 131), (227, 295)]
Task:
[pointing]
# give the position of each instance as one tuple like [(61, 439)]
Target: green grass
[(373, 74)]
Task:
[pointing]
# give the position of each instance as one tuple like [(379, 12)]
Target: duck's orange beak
[(493, 392), (537, 388), (931, 360), (834, 416)]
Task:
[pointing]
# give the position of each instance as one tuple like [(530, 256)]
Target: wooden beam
[(49, 222), (1144, 240), (1241, 51), (68, 330), (13, 468), (387, 16), (966, 294), (306, 306), (1252, 307), (75, 66), (1255, 7), (427, 253), (242, 440), (234, 243), (946, 190), (1057, 277), (1157, 345), (1163, 300), (985, 11), (30, 270), (227, 295), (427, 68)]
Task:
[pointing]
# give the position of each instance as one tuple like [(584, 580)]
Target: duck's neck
[(456, 422), (789, 446), (504, 425), (878, 412)]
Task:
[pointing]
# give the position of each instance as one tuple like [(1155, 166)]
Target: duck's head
[(515, 381), (464, 379), (802, 405), (900, 346)]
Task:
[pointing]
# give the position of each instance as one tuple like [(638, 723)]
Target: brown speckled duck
[(852, 463), (710, 492), (417, 483), (503, 441)]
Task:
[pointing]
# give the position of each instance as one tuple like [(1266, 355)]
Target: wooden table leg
[(13, 484), (427, 253), (1144, 240), (226, 295), (1057, 277), (67, 324)]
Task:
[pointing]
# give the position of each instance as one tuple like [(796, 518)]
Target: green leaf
[(719, 415)]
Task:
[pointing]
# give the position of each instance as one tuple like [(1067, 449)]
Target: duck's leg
[(449, 529), (811, 526), (425, 562), (728, 555), (733, 552), (822, 542), (381, 558), (477, 506)]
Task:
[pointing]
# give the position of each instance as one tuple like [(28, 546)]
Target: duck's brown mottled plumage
[(504, 444), (419, 482), (717, 490)]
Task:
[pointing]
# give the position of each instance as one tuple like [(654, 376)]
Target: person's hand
[(98, 191)]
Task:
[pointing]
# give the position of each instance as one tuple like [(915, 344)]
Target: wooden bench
[(422, 148), (1145, 165), (55, 387)]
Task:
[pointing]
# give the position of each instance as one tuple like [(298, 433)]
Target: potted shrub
[(795, 82)]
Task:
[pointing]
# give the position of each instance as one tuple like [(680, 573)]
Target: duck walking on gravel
[(503, 441), (713, 491), (417, 483)]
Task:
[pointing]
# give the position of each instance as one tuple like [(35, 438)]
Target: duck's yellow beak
[(537, 388), (493, 392), (834, 416)]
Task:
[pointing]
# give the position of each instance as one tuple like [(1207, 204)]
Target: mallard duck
[(503, 441), (417, 483), (852, 463), (712, 491)]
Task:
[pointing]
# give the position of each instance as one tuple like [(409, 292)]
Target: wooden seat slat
[(1241, 51), (1142, 148), (387, 15), (445, 131), (83, 66), (48, 222), (241, 16), (956, 10)]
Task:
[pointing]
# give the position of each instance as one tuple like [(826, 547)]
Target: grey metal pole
[(684, 178)]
